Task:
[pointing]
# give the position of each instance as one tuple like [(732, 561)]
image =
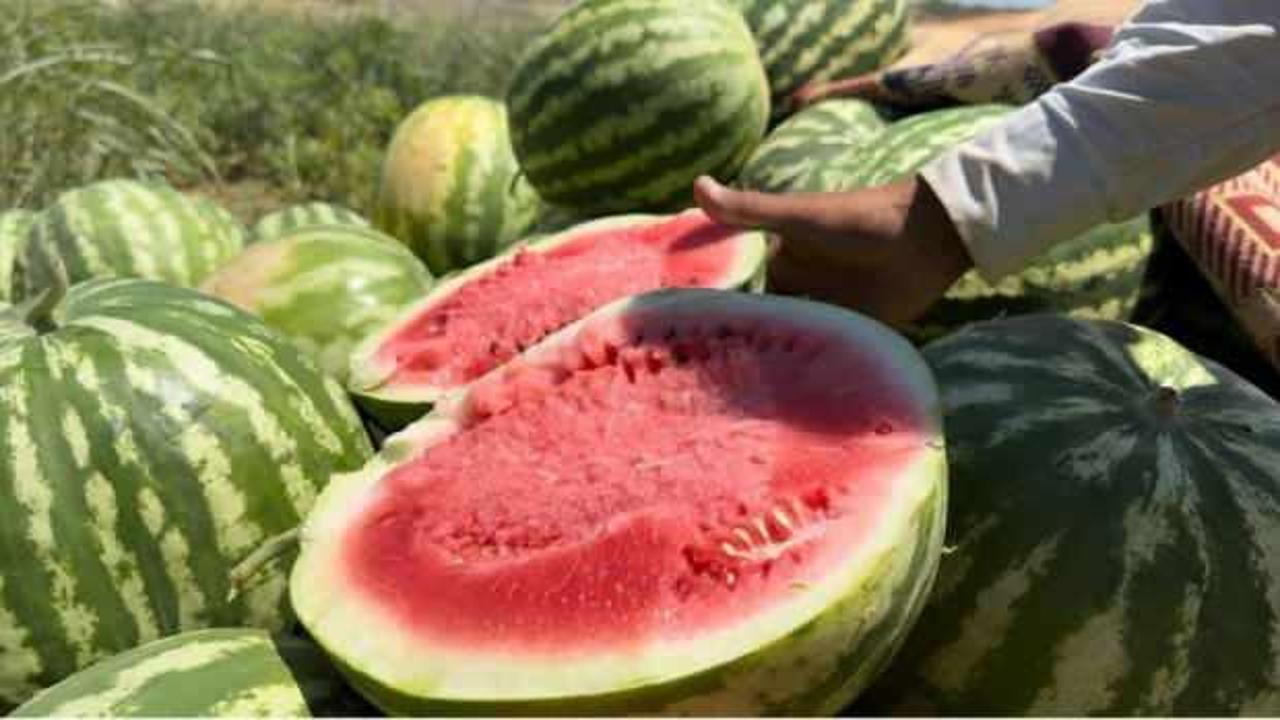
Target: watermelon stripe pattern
[(796, 156), (124, 228), (13, 232), (451, 188), (146, 446), (625, 102), (296, 217), (909, 145), (1114, 516), (803, 41), (205, 673), (1098, 275), (326, 287)]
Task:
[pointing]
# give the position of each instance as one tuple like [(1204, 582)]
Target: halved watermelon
[(693, 501), (486, 315)]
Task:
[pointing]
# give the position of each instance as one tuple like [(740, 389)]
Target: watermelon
[(13, 232), (1114, 520), (908, 145), (151, 437), (694, 501), (451, 188), (324, 286), (124, 228), (204, 673), (796, 156), (1098, 275), (622, 104), (478, 319), (803, 41), (296, 217)]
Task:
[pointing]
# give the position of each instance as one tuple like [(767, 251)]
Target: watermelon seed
[(884, 428)]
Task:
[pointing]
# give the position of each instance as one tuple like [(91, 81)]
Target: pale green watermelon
[(296, 217), (203, 673), (151, 438), (124, 228), (451, 189), (622, 104), (692, 502), (326, 287)]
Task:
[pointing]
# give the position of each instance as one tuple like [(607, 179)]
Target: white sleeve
[(1188, 95)]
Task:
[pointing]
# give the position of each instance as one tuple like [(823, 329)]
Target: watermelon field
[(373, 359)]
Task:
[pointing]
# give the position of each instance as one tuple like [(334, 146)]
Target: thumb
[(743, 209)]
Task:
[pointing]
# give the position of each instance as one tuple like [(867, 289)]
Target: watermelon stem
[(270, 550), (1168, 402), (37, 312)]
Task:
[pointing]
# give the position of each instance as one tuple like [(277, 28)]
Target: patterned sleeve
[(1188, 95)]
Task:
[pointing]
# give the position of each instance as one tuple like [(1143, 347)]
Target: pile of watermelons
[(532, 440)]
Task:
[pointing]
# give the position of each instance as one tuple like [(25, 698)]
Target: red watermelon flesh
[(658, 475), (486, 316)]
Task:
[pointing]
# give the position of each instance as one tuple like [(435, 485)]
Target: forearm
[(1188, 95)]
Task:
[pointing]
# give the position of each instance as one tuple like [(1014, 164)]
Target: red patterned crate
[(1232, 231)]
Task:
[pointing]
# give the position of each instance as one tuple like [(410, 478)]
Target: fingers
[(744, 209)]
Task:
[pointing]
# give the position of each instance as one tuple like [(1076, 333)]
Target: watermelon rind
[(151, 437), (451, 188), (296, 217), (124, 228), (1114, 519), (324, 286), (622, 104), (396, 406), (205, 673), (811, 655)]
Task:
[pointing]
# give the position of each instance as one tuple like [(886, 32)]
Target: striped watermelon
[(803, 41), (1115, 517), (480, 318), (624, 103), (693, 502), (13, 232), (451, 188), (151, 437), (797, 156), (1099, 275), (294, 217), (908, 145), (325, 287), (203, 673), (124, 228)]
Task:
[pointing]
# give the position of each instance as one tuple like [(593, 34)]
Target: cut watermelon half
[(482, 317), (692, 501)]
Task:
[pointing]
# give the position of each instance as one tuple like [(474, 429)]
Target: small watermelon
[(1114, 520), (204, 673), (803, 41), (124, 228), (622, 104), (324, 286), (797, 156), (14, 225), (692, 502), (480, 318), (151, 438), (906, 146), (296, 217), (451, 189)]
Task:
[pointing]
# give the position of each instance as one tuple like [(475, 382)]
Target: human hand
[(890, 252)]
